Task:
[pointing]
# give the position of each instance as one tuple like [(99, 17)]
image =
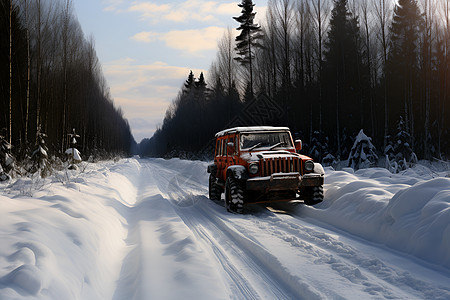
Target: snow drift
[(104, 232), (409, 212)]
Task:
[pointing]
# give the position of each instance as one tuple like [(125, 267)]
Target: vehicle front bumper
[(284, 182)]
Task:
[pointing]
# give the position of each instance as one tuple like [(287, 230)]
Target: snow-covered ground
[(145, 229)]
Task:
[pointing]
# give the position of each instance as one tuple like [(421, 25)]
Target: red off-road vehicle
[(261, 164)]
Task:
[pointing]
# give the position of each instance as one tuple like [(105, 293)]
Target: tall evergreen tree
[(248, 38), (402, 66), (342, 67), (190, 82)]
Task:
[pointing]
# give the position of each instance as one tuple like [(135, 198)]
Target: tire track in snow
[(226, 235), (170, 186), (344, 259), (240, 283), (282, 283), (164, 260), (259, 260), (261, 265)]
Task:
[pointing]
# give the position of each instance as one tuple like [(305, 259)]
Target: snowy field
[(145, 229)]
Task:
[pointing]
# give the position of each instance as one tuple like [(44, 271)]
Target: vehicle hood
[(258, 155)]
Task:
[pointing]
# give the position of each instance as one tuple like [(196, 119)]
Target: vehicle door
[(220, 157), (231, 157)]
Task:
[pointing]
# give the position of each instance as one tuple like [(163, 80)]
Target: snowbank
[(409, 212), (63, 238), (73, 235)]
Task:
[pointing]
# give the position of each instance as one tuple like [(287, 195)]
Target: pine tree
[(190, 82), (72, 152), (201, 89), (342, 70), (402, 64), (201, 81), (40, 155), (319, 147), (248, 38), (401, 154), (363, 153)]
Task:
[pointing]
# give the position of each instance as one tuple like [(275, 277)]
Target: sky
[(147, 49)]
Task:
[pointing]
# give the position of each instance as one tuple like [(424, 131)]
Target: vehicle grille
[(270, 166)]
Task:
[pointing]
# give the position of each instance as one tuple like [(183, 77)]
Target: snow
[(401, 211), (251, 129), (145, 229), (76, 154)]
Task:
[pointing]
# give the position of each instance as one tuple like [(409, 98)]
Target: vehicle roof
[(250, 129)]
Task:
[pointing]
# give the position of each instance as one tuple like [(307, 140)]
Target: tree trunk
[(28, 74), (10, 70), (38, 66)]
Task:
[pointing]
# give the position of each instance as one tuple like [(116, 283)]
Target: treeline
[(192, 119), (51, 79), (338, 66)]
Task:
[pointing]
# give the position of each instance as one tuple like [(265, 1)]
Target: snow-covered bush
[(73, 154), (363, 153), (39, 156), (398, 152)]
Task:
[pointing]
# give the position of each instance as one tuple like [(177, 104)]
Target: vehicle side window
[(217, 147), (234, 141), (224, 147)]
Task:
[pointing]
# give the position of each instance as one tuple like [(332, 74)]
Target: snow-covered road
[(145, 229)]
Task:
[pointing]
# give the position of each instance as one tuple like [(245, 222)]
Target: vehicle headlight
[(253, 169), (309, 165)]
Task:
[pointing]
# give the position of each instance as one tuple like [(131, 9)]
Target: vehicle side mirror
[(230, 148), (298, 145)]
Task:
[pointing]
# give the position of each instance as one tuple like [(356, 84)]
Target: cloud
[(145, 37), (210, 12), (192, 40), (149, 10), (144, 91), (113, 5), (201, 11), (228, 9)]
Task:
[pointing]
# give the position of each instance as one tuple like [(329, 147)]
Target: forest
[(51, 83), (334, 67)]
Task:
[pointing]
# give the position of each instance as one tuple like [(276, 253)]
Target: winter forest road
[(181, 245)]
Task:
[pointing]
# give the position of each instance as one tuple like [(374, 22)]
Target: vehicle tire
[(313, 195), (234, 195), (214, 189)]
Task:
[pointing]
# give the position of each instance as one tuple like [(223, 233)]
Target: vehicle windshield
[(255, 140)]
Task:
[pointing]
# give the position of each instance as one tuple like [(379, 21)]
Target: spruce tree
[(342, 70), (201, 88), (190, 82), (363, 153), (402, 64), (40, 155), (247, 40), (401, 155), (72, 152)]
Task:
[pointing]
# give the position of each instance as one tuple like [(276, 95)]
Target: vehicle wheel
[(313, 195), (234, 195), (214, 188)]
